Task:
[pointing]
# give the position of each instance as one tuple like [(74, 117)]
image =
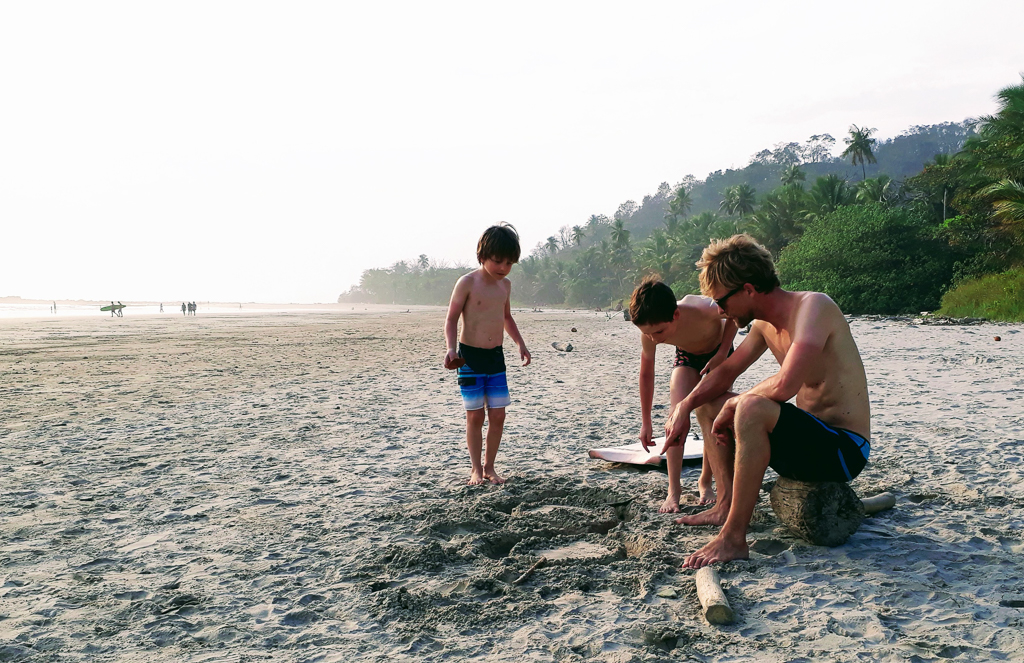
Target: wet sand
[(290, 487)]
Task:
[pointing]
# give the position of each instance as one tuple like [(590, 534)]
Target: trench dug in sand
[(478, 554)]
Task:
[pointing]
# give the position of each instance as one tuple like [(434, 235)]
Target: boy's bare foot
[(719, 549), (671, 504), (713, 516), (493, 476), (707, 494), (476, 477)]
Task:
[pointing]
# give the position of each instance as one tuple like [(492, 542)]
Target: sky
[(256, 151)]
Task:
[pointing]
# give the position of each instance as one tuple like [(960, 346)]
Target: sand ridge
[(291, 486)]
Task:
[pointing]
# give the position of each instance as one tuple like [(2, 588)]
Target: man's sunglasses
[(721, 300)]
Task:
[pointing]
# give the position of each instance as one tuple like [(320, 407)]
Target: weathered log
[(879, 502), (823, 513), (712, 599)]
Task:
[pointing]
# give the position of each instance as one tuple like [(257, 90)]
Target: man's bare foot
[(671, 504), (718, 549), (713, 516), (707, 494), (476, 477), (492, 476)]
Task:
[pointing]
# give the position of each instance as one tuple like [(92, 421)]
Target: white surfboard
[(634, 454)]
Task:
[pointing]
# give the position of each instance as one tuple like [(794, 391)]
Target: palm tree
[(578, 235), (746, 199), (620, 236), (881, 189), (656, 254), (680, 204), (829, 193), (792, 174), (780, 218), (728, 204), (739, 199), (1007, 199), (858, 147), (552, 244)]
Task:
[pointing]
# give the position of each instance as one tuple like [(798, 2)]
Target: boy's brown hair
[(652, 303), (730, 263), (498, 242)]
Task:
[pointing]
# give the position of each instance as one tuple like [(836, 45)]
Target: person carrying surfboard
[(823, 437), (482, 299), (702, 338)]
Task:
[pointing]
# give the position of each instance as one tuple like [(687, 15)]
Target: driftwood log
[(824, 513), (879, 502), (713, 603)]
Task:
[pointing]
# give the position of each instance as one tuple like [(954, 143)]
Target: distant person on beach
[(702, 338), (824, 437), (482, 299), (113, 311), (183, 308), (161, 307), (120, 311)]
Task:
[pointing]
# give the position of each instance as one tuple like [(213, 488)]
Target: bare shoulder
[(470, 279), (700, 305), (820, 306)]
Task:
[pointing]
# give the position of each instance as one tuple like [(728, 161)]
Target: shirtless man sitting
[(824, 437), (702, 339)]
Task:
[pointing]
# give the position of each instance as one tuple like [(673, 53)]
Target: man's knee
[(496, 416), (756, 409), (475, 417)]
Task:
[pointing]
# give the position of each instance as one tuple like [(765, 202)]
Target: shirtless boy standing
[(482, 299), (702, 339)]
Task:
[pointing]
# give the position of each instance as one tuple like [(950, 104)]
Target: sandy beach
[(290, 487)]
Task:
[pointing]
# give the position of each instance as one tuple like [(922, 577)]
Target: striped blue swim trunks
[(479, 389)]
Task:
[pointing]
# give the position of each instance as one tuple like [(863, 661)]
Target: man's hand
[(524, 354), (646, 432), (723, 426), (676, 428), (452, 360)]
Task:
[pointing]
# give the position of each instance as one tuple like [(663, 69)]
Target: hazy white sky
[(272, 151)]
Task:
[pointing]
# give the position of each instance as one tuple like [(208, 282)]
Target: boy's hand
[(713, 363), (646, 432), (452, 360), (524, 354)]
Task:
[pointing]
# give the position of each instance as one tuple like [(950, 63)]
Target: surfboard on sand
[(634, 454), (114, 307)]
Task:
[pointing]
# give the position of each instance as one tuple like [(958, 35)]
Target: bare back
[(834, 386)]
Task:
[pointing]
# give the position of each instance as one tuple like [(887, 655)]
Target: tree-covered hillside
[(882, 225)]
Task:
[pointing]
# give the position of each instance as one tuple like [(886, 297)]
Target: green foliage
[(995, 296), (870, 259), (402, 283), (858, 148)]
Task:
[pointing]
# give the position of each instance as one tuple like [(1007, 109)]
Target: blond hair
[(730, 263)]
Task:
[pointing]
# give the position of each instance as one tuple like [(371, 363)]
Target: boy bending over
[(703, 340), (482, 299)]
